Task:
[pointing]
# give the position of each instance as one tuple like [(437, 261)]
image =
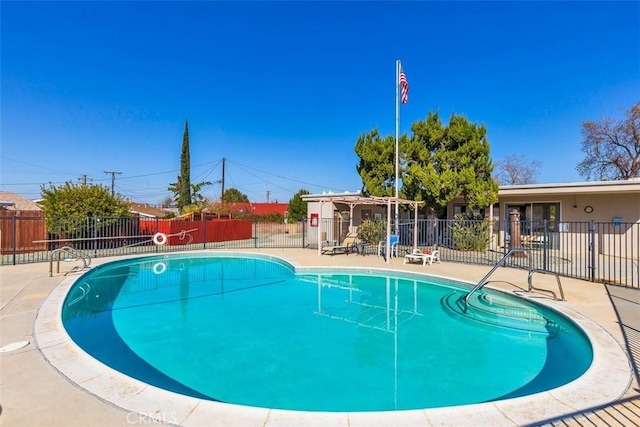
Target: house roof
[(146, 210), (15, 202), (594, 187)]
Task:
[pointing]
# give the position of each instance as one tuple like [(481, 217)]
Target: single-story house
[(600, 201), (605, 202), (147, 211), (15, 202)]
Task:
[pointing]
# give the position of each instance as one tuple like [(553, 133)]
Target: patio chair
[(419, 256), (349, 244), (393, 243)]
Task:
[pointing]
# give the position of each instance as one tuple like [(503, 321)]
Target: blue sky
[(282, 90)]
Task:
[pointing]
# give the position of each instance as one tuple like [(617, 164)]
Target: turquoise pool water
[(250, 330)]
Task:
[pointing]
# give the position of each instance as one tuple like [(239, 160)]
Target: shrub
[(470, 233), (72, 210), (371, 231), (270, 217)]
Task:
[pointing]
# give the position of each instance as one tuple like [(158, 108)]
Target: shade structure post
[(319, 230)]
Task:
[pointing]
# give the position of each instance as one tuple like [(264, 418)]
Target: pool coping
[(606, 380)]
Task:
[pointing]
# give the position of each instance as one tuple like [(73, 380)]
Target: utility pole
[(222, 181), (83, 178), (113, 180), (266, 190)]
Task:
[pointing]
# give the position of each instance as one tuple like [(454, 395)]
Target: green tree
[(233, 195), (196, 192), (377, 163), (612, 147), (174, 187), (67, 207), (197, 198), (462, 158), (297, 209), (192, 208), (187, 196), (184, 180), (437, 163)]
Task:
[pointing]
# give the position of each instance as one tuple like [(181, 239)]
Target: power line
[(245, 167), (38, 166), (210, 167)]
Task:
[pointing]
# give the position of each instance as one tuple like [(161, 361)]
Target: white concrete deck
[(52, 382)]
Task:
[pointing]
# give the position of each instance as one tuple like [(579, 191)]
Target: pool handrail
[(502, 260), (75, 253), (543, 271)]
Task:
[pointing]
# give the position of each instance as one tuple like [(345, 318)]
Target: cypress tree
[(184, 181)]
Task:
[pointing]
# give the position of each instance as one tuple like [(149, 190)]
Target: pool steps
[(496, 310)]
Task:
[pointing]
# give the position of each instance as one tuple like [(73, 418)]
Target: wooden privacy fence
[(19, 230)]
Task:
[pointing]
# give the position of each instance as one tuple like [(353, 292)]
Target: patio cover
[(354, 200)]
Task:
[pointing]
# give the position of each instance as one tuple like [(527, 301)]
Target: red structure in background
[(254, 208), (206, 230), (269, 208)]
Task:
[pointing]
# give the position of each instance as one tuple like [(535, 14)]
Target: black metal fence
[(103, 237), (600, 252)]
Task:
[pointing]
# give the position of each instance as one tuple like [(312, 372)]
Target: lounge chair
[(419, 256), (533, 242), (349, 244)]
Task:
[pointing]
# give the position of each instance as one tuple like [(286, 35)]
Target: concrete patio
[(35, 393)]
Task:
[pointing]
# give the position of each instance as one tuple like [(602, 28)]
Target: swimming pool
[(251, 330)]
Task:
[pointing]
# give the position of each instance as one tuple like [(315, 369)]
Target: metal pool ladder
[(532, 270), (72, 254)]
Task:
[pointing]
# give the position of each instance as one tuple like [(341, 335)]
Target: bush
[(470, 234), (297, 209), (270, 218), (71, 210), (371, 231)]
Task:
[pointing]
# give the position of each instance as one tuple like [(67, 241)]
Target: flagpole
[(397, 130)]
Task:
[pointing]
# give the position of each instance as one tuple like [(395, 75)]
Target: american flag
[(404, 86)]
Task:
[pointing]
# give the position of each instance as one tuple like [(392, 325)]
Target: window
[(535, 215), (459, 209), (477, 213)]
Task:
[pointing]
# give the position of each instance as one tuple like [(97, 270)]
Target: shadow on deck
[(626, 411)]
